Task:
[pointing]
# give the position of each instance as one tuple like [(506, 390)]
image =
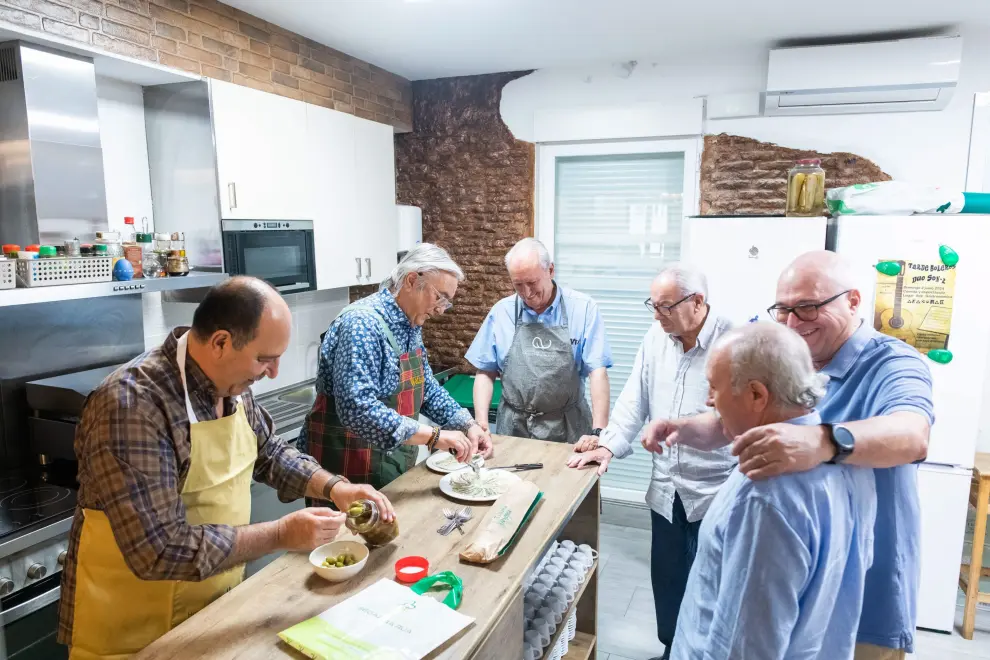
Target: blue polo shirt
[(584, 324), (873, 375), (780, 567)]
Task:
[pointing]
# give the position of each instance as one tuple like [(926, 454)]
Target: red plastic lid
[(409, 570), (33, 248), (128, 220), (10, 247), (810, 161)]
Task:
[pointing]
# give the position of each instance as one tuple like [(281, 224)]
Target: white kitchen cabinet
[(332, 187), (351, 182), (375, 198), (261, 153)]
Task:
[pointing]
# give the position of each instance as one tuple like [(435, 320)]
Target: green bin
[(461, 388)]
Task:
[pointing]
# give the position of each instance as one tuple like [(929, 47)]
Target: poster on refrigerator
[(915, 305)]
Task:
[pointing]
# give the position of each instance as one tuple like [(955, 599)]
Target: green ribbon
[(446, 579)]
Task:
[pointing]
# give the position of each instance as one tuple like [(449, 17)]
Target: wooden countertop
[(245, 622)]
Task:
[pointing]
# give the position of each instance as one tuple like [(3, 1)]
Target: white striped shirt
[(667, 383)]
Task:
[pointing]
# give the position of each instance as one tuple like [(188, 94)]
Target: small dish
[(444, 462), (334, 548)]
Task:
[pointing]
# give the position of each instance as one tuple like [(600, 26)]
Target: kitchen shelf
[(43, 294), (570, 610), (581, 647)]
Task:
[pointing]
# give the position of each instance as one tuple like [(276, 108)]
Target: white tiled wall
[(312, 312)]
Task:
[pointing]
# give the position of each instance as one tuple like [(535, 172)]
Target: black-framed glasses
[(805, 312), (666, 310)]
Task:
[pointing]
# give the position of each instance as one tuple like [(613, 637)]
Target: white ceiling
[(422, 39)]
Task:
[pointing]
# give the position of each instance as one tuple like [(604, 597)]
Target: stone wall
[(474, 182), (742, 176), (214, 40)]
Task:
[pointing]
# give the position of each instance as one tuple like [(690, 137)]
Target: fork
[(462, 517), (448, 527)]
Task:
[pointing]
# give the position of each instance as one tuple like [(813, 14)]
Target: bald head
[(531, 271), (822, 285), (239, 333)]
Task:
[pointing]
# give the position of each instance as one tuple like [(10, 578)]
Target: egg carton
[(8, 279), (73, 270)]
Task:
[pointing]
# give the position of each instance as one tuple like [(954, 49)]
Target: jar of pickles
[(806, 189), (364, 519)]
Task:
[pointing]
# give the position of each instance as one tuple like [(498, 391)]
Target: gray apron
[(542, 389)]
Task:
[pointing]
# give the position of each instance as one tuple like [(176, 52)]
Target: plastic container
[(47, 252), (410, 570), (364, 519), (115, 248), (10, 250), (806, 189)]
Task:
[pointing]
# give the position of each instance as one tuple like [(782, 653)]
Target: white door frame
[(546, 173)]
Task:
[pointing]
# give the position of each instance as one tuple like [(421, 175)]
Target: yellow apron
[(116, 613)]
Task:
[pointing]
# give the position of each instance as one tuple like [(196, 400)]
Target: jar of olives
[(364, 519)]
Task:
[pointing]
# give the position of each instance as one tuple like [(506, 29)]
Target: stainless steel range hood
[(51, 163)]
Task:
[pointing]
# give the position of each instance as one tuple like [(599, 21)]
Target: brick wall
[(474, 182), (212, 39), (743, 176)]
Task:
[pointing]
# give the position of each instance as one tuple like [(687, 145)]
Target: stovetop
[(33, 498)]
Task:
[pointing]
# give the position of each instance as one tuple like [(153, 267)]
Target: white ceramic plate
[(442, 462), (505, 478)]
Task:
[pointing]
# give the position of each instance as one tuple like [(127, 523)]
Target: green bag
[(445, 579)]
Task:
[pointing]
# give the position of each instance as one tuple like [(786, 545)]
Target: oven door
[(283, 258), (28, 621)]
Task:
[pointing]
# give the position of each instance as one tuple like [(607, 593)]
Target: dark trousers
[(672, 553)]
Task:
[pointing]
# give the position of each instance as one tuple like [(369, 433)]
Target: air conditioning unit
[(907, 75)]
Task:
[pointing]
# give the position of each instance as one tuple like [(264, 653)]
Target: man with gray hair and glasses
[(544, 341), (781, 562), (668, 381), (373, 379)]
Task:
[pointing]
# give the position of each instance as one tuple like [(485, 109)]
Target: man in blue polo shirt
[(877, 411), (544, 341)]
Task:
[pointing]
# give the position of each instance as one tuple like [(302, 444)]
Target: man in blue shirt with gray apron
[(543, 342)]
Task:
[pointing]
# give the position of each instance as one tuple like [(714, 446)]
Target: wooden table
[(245, 622), (970, 574)]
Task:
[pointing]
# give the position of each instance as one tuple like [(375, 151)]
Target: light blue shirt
[(584, 323), (780, 567), (872, 375)]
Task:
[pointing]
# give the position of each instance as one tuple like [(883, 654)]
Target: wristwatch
[(843, 440), (597, 432)]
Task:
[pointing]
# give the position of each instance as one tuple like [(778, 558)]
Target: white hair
[(424, 258), (687, 278), (528, 246), (775, 355)]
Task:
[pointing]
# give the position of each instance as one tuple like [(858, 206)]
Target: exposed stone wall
[(212, 39), (474, 182), (742, 176)]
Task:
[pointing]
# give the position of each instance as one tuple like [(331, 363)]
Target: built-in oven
[(281, 252)]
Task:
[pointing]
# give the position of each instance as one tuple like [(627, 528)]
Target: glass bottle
[(364, 519), (806, 189)]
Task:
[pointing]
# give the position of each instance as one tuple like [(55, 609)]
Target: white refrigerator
[(742, 258)]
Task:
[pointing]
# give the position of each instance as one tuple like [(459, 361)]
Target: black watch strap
[(597, 432)]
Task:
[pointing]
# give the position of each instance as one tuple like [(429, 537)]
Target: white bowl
[(359, 550)]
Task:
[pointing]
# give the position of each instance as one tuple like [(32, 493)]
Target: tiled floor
[(627, 628)]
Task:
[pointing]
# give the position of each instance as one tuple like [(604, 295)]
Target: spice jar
[(72, 248), (47, 252), (364, 519), (178, 263), (806, 189), (111, 239)]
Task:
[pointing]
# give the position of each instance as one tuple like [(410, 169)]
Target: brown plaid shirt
[(133, 448)]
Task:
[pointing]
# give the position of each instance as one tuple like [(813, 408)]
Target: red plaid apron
[(344, 453)]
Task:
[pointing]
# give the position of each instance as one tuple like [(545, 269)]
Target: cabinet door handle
[(357, 260), (232, 195), (367, 263)]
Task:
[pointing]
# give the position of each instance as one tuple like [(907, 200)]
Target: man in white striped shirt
[(668, 381)]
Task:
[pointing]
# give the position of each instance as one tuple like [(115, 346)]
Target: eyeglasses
[(666, 310), (443, 302), (805, 312)]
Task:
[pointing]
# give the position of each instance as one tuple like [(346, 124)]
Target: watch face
[(844, 439)]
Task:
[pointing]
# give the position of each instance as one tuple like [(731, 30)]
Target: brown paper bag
[(501, 523)]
